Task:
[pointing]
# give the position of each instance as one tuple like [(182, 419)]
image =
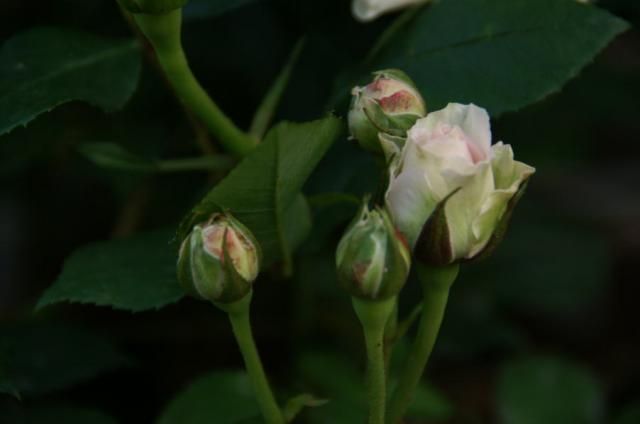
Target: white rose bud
[(368, 10), (390, 104), (452, 179), (219, 260)]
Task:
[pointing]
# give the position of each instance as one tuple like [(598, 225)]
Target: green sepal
[(503, 225), (395, 74), (398, 263), (395, 125), (185, 277), (207, 273), (152, 7), (246, 232), (236, 287), (353, 252), (433, 246), (392, 147)]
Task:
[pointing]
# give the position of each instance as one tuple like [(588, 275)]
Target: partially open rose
[(448, 165)]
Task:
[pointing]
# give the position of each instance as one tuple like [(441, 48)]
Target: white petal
[(508, 176), (465, 205), (409, 197), (368, 10)]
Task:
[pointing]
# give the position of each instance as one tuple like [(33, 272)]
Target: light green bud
[(219, 260), (372, 258)]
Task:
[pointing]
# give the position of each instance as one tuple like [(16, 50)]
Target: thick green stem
[(374, 316), (240, 322), (163, 32), (436, 282), (389, 336)]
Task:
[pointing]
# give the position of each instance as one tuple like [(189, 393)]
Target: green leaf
[(260, 190), (548, 390), (21, 414), (500, 54), (46, 358), (298, 219), (134, 274), (45, 67), (219, 397)]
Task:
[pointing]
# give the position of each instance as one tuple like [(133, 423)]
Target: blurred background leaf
[(42, 358), (58, 414), (224, 397), (548, 390), (629, 415)]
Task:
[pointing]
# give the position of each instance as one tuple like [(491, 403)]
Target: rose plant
[(215, 202)]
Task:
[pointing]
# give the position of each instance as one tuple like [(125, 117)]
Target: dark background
[(559, 297)]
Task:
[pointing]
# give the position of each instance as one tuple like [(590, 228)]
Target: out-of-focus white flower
[(368, 10)]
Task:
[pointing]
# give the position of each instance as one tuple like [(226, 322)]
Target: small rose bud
[(451, 192), (151, 7), (391, 104), (219, 260), (372, 258)]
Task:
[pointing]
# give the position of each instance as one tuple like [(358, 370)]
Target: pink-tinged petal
[(398, 102)]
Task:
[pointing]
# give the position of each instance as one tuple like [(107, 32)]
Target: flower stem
[(240, 322), (374, 316), (163, 31), (436, 282)]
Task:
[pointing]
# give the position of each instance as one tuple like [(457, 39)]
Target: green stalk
[(436, 282), (374, 316), (240, 322), (201, 163), (163, 32)]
